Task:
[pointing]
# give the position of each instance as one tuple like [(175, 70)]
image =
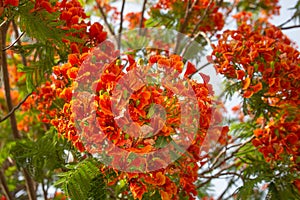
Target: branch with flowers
[(102, 112)]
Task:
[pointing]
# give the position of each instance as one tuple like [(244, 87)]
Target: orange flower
[(163, 62), (246, 83), (138, 189), (248, 94), (256, 88), (258, 132), (66, 94), (164, 195), (159, 179)]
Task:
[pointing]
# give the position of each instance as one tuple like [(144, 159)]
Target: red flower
[(11, 2), (190, 69)]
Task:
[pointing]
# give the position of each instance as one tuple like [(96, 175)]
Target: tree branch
[(7, 89), (45, 192), (217, 175), (226, 189), (13, 122), (287, 21), (24, 61), (3, 23), (290, 27), (105, 19), (142, 16), (12, 44), (4, 186), (215, 163), (16, 107), (198, 70), (29, 185), (193, 39), (201, 18), (121, 23), (188, 10)]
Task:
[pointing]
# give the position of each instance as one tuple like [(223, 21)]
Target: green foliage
[(277, 175), (159, 18), (97, 186), (282, 191), (45, 37), (5, 149), (253, 6), (82, 181), (40, 157)]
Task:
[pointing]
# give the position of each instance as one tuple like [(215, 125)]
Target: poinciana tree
[(127, 107)]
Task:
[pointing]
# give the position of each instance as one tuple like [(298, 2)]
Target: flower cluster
[(74, 17), (134, 19), (262, 62), (88, 118)]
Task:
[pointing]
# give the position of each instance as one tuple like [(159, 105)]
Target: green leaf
[(82, 181), (151, 111), (161, 141)]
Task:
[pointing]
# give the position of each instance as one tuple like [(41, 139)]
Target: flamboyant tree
[(100, 102)]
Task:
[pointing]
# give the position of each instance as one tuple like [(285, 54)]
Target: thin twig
[(287, 21), (231, 181), (105, 19), (198, 70), (187, 14), (30, 186), (217, 175), (142, 16), (121, 23), (193, 39), (24, 61), (4, 186), (45, 192), (16, 107), (195, 28), (215, 164), (3, 23), (12, 44), (290, 27), (188, 10), (202, 17)]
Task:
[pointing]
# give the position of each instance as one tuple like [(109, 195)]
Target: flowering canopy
[(102, 110)]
